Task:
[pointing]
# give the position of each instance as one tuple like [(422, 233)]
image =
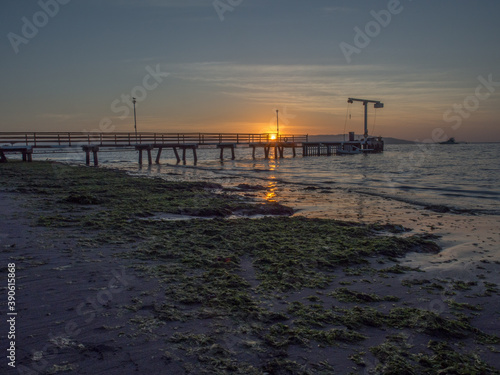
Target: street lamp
[(277, 126), (135, 120)]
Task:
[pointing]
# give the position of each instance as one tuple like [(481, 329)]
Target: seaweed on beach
[(121, 196), (242, 295), (287, 253), (396, 356), (347, 295)]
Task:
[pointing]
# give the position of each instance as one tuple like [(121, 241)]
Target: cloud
[(62, 117), (319, 88)]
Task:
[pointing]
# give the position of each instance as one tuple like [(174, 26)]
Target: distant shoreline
[(387, 140)]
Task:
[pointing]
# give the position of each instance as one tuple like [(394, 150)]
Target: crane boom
[(377, 104)]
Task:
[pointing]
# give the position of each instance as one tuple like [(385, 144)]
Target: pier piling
[(146, 148), (88, 149), (231, 146), (158, 155), (193, 147)]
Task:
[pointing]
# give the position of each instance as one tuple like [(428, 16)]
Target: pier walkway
[(26, 142)]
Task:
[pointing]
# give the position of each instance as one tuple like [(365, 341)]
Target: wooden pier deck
[(95, 142), (320, 148)]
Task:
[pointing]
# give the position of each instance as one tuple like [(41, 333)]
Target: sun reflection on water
[(272, 184), (271, 191)]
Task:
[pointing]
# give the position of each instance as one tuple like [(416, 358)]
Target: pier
[(93, 143), (181, 144), (320, 148)]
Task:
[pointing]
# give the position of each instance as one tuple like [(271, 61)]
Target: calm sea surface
[(463, 177)]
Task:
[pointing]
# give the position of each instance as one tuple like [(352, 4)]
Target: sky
[(228, 65)]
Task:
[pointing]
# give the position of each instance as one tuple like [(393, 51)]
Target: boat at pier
[(363, 146), (348, 150), (366, 144)]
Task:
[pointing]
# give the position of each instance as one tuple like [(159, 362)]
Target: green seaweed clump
[(347, 295), (281, 335), (396, 358)]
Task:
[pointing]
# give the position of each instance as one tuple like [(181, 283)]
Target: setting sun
[(272, 137)]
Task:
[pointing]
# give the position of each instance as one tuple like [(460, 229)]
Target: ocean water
[(462, 177)]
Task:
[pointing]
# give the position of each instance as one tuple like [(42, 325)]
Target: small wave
[(475, 196)]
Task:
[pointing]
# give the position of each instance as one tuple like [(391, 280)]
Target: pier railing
[(73, 139)]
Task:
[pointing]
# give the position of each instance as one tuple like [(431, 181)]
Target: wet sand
[(467, 240), (470, 244), (464, 234), (70, 300)]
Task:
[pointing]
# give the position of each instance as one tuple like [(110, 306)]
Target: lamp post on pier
[(277, 126), (135, 120)]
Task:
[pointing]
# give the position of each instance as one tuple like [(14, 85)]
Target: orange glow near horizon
[(407, 122)]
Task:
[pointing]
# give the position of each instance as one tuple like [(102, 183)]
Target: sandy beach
[(229, 187), (111, 292)]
